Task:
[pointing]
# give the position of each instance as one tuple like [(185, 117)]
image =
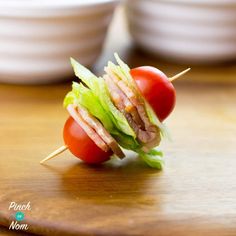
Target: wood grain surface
[(194, 195)]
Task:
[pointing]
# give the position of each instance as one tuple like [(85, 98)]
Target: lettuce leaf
[(87, 99), (127, 141), (70, 98), (153, 158), (126, 71), (86, 76)]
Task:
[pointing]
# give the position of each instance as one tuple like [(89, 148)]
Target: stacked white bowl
[(37, 38), (201, 31)]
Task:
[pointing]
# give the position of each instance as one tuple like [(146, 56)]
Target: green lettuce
[(125, 70), (153, 158), (85, 97), (127, 141), (70, 98)]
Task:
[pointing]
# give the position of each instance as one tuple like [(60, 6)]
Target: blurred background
[(38, 37)]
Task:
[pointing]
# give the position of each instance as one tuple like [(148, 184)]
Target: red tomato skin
[(81, 145), (156, 88)]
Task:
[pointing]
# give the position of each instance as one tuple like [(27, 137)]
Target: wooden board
[(194, 195)]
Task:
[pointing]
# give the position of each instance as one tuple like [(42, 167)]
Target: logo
[(19, 216)]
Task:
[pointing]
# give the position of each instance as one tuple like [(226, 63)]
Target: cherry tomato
[(156, 88), (81, 145)]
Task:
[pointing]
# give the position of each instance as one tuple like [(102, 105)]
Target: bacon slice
[(90, 132), (122, 102)]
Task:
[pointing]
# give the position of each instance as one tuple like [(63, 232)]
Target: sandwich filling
[(132, 106)]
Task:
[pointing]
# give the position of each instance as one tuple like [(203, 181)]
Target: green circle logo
[(19, 216)]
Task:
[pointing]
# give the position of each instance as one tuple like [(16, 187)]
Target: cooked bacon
[(155, 142), (101, 131), (115, 94), (120, 101), (89, 131)]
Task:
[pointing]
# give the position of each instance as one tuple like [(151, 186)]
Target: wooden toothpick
[(54, 154), (179, 75)]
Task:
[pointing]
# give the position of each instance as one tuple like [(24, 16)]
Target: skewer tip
[(179, 74), (54, 154)]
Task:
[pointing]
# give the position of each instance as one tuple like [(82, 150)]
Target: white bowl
[(38, 37), (201, 31)]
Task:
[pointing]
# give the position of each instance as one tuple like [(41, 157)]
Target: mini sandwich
[(112, 110)]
